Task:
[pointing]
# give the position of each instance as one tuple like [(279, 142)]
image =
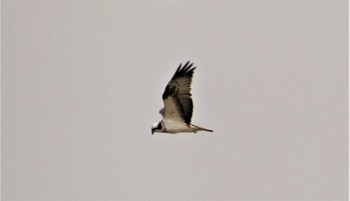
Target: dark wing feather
[(179, 88)]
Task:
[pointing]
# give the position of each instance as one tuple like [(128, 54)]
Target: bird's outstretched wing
[(177, 99)]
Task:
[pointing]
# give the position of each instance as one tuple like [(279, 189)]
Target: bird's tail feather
[(201, 129)]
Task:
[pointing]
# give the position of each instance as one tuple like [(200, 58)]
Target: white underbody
[(173, 121), (178, 127)]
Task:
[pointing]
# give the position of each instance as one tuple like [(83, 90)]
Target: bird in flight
[(178, 105)]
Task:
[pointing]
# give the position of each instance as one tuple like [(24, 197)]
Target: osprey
[(178, 105)]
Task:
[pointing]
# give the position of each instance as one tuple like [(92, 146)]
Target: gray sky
[(82, 85)]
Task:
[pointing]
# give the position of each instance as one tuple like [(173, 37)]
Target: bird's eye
[(159, 126)]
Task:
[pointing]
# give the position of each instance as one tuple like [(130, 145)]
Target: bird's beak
[(152, 131)]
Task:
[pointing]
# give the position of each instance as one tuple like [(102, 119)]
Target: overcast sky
[(82, 85)]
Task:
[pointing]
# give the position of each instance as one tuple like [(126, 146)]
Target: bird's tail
[(197, 128)]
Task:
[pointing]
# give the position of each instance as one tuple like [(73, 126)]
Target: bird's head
[(158, 127)]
